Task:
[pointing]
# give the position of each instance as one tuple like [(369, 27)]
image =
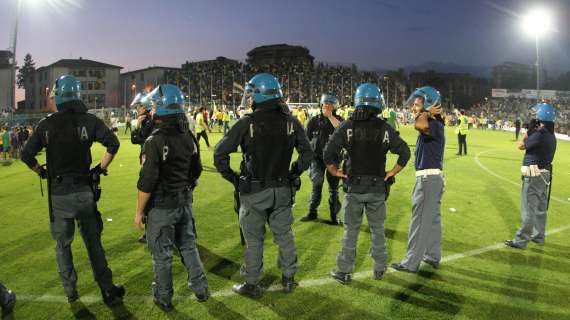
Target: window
[(142, 76)]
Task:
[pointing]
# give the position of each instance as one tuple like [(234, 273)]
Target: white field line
[(303, 283), (489, 171)]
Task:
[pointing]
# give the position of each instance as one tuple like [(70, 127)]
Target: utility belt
[(82, 180), (429, 172), (533, 171), (248, 185), (365, 184), (170, 200)]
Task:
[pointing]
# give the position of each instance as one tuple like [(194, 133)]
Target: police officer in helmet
[(142, 104), (366, 138), (267, 138), (169, 171), (7, 300), (319, 130), (539, 144), (67, 136), (424, 239)]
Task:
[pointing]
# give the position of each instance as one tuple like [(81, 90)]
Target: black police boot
[(165, 306), (288, 284), (401, 267), (113, 296), (202, 296), (433, 264), (312, 215), (73, 296), (7, 301), (248, 290), (334, 206), (342, 277), (512, 244)]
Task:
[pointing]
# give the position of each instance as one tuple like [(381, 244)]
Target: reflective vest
[(463, 127)]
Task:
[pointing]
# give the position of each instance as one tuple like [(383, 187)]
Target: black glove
[(295, 169), (42, 172), (98, 171)]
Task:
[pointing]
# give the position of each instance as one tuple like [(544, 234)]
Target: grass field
[(478, 279)]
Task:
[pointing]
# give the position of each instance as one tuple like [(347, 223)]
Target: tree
[(26, 70)]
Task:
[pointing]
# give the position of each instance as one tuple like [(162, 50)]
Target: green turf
[(498, 284)]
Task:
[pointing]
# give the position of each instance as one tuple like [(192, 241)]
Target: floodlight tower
[(537, 23), (12, 49)]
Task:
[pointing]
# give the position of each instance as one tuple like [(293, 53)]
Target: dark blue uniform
[(424, 238), (540, 149), (319, 130)]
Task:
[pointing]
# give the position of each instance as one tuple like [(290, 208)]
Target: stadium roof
[(151, 68), (86, 63)]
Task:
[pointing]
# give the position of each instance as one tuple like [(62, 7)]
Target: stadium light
[(537, 22)]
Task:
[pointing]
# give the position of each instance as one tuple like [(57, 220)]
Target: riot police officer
[(142, 103), (145, 124), (366, 138), (266, 183), (67, 136), (7, 300), (539, 144), (319, 129), (170, 167), (424, 238)]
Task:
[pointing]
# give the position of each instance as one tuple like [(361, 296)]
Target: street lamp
[(537, 23)]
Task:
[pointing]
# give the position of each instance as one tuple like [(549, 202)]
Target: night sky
[(372, 34)]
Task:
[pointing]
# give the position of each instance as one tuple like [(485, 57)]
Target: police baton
[(549, 187)]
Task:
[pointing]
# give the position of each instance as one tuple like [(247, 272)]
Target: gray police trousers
[(534, 201), (66, 210), (271, 205), (375, 209), (4, 295), (167, 228), (424, 238)]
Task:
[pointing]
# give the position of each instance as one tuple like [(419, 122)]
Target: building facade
[(457, 89), (143, 80), (6, 81), (99, 83), (511, 75)]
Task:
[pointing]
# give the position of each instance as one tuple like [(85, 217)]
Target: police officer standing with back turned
[(319, 130), (424, 238), (167, 177), (7, 300), (539, 144), (67, 136), (366, 138), (266, 183)]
